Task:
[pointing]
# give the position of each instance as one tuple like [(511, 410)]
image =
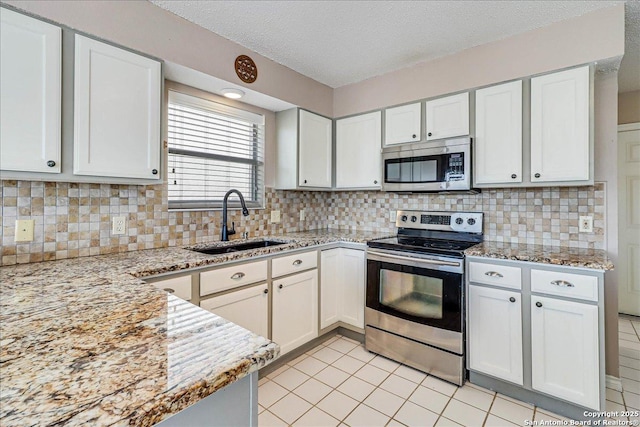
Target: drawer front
[(179, 286), (497, 275), (232, 277), (294, 263), (565, 284)]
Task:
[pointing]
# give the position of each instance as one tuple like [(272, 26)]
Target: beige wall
[(142, 26), (606, 171), (629, 107), (595, 36)]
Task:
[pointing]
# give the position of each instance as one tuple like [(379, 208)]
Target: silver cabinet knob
[(514, 176), (280, 286), (512, 299), (266, 291), (537, 175), (51, 163), (538, 304)]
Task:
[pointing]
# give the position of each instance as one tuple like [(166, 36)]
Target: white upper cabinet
[(358, 158), (448, 117), (30, 87), (498, 139), (116, 112), (403, 124), (315, 150), (560, 147)]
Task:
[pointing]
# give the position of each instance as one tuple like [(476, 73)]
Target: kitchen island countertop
[(85, 341)]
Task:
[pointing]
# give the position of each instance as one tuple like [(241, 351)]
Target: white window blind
[(212, 149)]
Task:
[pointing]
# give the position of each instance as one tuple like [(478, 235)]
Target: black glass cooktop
[(422, 245)]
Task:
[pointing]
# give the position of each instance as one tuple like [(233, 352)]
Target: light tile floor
[(339, 383)]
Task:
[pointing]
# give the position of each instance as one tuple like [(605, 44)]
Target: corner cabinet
[(30, 93), (560, 126), (358, 151), (342, 284), (536, 332), (304, 150), (498, 139), (117, 99), (448, 117)]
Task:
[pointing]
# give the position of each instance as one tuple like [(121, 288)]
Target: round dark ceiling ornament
[(246, 69)]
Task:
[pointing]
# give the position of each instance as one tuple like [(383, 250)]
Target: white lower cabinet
[(564, 347), (495, 333), (342, 287), (295, 310), (248, 308)]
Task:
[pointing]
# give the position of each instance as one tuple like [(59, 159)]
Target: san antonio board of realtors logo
[(246, 69)]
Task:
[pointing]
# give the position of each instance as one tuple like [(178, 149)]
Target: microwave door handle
[(424, 260)]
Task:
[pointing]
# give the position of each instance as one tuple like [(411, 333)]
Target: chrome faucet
[(224, 234)]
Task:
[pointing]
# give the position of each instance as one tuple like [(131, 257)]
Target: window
[(212, 149)]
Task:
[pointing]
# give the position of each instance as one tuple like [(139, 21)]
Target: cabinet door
[(448, 117), (560, 126), (248, 308), (295, 310), (495, 333), (498, 141), (564, 350), (30, 85), (116, 112), (352, 299), (330, 286), (403, 124), (315, 150), (358, 158)]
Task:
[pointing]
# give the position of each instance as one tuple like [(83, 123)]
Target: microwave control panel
[(455, 167)]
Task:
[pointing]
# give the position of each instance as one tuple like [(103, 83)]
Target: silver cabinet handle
[(562, 283), (297, 262), (421, 260), (237, 276), (493, 274), (169, 290)]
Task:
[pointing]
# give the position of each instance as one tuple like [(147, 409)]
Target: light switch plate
[(302, 215), (393, 215), (24, 230), (275, 216), (585, 224)]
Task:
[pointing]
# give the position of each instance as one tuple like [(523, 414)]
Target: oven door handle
[(421, 260)]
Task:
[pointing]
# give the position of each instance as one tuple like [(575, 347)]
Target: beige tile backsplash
[(73, 220)]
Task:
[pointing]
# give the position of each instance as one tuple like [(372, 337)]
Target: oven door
[(423, 291)]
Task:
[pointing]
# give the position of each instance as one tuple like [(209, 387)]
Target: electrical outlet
[(24, 230), (585, 224), (118, 225), (275, 216), (393, 215), (302, 215)]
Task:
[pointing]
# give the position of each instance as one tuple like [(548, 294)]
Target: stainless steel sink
[(217, 250)]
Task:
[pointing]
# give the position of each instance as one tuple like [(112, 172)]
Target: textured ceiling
[(343, 42)]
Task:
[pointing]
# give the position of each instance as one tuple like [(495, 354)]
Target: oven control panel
[(466, 222)]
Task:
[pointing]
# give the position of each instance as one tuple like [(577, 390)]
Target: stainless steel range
[(415, 282)]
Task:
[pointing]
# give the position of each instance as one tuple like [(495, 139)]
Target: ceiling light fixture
[(232, 93)]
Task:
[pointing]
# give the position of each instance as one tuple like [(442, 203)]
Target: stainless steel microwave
[(428, 167)]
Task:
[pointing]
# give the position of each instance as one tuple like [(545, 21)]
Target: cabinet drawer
[(293, 263), (565, 284), (232, 277), (179, 286), (494, 274)]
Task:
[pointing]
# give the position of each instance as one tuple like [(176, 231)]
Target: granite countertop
[(556, 255), (86, 342)]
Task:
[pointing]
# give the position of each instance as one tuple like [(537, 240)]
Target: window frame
[(195, 98)]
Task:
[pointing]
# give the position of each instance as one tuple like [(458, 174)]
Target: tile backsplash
[(73, 220)]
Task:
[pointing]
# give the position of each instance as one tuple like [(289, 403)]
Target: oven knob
[(459, 221), (403, 218), (414, 218), (471, 221)]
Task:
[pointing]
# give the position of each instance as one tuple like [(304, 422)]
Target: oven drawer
[(495, 274), (568, 285)]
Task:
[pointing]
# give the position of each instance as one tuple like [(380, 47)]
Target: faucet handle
[(233, 228)]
